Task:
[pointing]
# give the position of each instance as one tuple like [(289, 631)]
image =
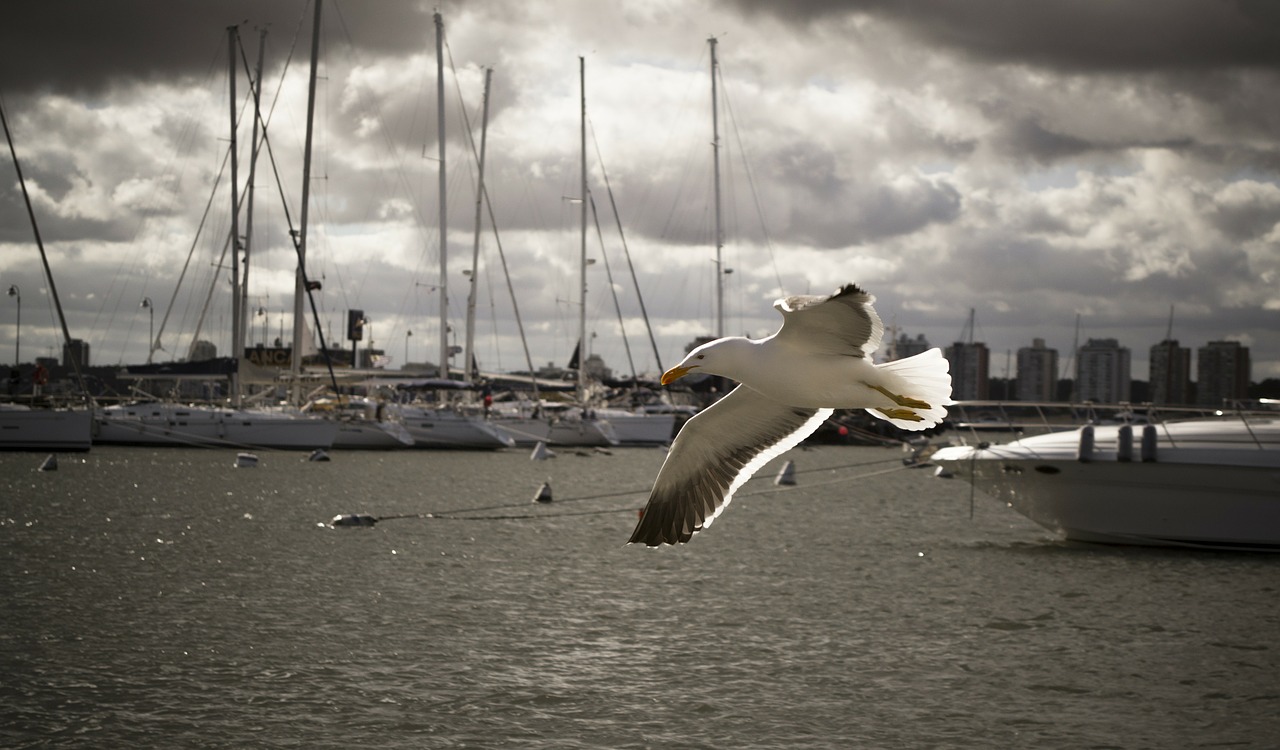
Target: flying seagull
[(789, 384)]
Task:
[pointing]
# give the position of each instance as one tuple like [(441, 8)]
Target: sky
[(1063, 170)]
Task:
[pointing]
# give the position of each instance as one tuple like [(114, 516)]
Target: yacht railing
[(1039, 417)]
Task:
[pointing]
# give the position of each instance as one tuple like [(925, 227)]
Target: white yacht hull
[(23, 429), (370, 435), (447, 428), (1213, 484), (638, 428), (179, 425), (528, 431)]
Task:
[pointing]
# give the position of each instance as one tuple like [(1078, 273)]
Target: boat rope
[(464, 513)]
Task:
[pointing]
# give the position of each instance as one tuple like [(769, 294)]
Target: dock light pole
[(14, 291), (151, 326), (407, 334)]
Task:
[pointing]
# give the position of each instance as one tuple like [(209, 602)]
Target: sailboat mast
[(715, 150), (299, 284), (582, 310), (475, 249), (253, 169), (44, 260), (237, 332), (444, 232)]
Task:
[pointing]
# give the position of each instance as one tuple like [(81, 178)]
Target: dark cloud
[(83, 48), (1083, 35)]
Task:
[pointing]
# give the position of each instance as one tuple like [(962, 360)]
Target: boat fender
[(1085, 452), (1149, 444), (1124, 444)]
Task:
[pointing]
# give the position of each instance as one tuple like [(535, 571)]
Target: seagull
[(789, 384)]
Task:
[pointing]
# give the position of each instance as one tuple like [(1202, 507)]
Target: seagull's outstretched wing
[(843, 323), (714, 454)]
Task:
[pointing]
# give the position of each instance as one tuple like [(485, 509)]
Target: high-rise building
[(1037, 372), (77, 349), (903, 346), (1170, 373), (1223, 372), (970, 365), (1102, 372)]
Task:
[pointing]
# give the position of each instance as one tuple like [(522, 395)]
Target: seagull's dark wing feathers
[(714, 454), (843, 323)]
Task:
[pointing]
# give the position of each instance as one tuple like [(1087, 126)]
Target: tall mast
[(444, 232), (237, 331), (248, 212), (299, 284), (475, 250), (44, 260), (715, 150), (582, 310)]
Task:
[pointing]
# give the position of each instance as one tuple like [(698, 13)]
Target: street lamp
[(151, 326), (407, 334), (14, 291)]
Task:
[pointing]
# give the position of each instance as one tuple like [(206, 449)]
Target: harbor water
[(166, 599)]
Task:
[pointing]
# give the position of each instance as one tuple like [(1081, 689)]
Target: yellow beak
[(675, 373)]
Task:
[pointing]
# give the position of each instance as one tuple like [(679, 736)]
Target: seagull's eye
[(702, 356)]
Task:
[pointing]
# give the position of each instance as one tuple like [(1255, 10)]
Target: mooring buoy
[(787, 476)]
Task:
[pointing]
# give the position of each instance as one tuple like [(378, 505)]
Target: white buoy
[(541, 452), (318, 455), (50, 463), (544, 493), (787, 475), (246, 461)]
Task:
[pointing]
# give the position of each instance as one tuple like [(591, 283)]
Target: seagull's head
[(718, 357)]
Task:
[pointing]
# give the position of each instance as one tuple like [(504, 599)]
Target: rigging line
[(529, 516), (195, 241), (841, 480), (44, 258), (525, 503), (613, 290), (657, 358), (293, 46), (645, 490), (751, 182), (493, 223), (453, 515)]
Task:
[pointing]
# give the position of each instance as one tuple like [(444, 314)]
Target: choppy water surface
[(166, 599)]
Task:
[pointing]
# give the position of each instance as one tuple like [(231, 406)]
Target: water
[(165, 599)]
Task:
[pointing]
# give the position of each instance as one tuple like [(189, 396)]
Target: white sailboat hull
[(639, 428), (24, 429), (447, 428), (181, 425), (529, 431)]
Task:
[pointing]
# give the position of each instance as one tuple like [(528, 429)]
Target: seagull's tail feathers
[(924, 382)]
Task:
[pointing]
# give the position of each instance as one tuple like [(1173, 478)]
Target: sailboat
[(576, 424), (31, 426), (439, 424), (166, 423)]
